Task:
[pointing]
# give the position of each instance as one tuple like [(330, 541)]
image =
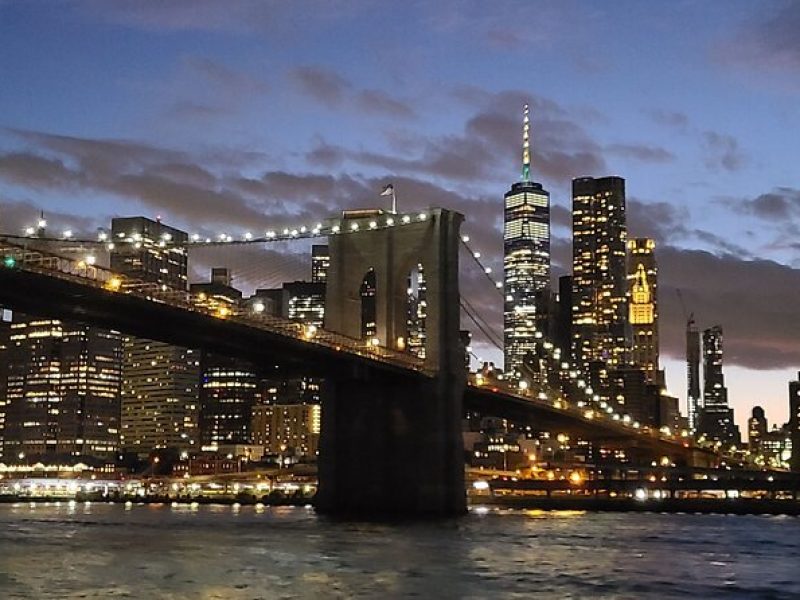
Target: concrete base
[(392, 448)]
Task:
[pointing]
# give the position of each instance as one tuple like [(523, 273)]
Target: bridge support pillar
[(392, 448), (391, 442)]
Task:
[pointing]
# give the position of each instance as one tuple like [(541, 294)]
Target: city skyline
[(212, 127)]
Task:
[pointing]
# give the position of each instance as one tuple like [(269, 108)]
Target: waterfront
[(75, 550)]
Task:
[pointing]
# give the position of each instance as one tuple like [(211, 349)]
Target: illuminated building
[(643, 306), (776, 448), (628, 388), (5, 332), (160, 405), (526, 259), (62, 391), (160, 382), (693, 397), (229, 389), (716, 418), (304, 302), (794, 423), (320, 261), (218, 291), (417, 312), (369, 307), (287, 429), (599, 273), (149, 250), (756, 428), (562, 330)]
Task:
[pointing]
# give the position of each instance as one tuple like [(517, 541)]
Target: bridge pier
[(392, 448), (392, 445)]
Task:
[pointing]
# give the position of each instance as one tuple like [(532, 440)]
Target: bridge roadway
[(58, 287)]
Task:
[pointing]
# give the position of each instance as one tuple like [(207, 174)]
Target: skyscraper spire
[(526, 146)]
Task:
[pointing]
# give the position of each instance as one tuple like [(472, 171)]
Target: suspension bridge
[(391, 431)]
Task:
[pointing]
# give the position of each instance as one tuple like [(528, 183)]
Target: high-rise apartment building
[(160, 397), (526, 259), (794, 423), (643, 306), (62, 391), (599, 273), (228, 391), (287, 429), (160, 392), (694, 399), (716, 420)]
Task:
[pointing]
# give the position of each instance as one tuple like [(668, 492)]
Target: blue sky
[(242, 114)]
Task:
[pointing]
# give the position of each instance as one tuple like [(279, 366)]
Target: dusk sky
[(246, 114)]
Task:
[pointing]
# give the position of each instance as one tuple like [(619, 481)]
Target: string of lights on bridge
[(333, 227)]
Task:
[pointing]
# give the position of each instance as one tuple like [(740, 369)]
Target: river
[(182, 552)]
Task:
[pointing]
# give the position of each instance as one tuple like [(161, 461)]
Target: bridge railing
[(84, 272)]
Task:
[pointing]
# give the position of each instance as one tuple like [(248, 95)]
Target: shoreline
[(728, 506)]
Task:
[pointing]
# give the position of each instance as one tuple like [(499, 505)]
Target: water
[(110, 551)]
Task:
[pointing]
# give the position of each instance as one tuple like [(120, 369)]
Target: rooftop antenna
[(526, 146)]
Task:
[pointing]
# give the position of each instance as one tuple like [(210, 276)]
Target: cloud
[(641, 152), (751, 299), (668, 118), (27, 169), (778, 205), (376, 101), (661, 221), (769, 42), (322, 85), (722, 151)]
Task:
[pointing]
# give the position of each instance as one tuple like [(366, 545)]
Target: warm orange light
[(114, 284)]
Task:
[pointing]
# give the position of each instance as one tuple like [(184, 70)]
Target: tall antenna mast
[(526, 146)]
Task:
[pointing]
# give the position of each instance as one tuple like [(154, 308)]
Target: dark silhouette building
[(794, 422), (716, 418)]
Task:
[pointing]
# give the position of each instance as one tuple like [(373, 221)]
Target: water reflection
[(191, 551)]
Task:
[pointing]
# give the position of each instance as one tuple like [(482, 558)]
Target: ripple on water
[(110, 551)]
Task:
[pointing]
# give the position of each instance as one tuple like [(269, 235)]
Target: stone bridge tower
[(393, 444)]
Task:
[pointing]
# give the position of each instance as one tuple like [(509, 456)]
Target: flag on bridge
[(389, 191)]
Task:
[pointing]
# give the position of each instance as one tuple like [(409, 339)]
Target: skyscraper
[(716, 421), (160, 404), (62, 391), (599, 274), (228, 391), (643, 306), (693, 397), (526, 258), (794, 423)]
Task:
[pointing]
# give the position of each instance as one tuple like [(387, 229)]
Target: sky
[(247, 114)]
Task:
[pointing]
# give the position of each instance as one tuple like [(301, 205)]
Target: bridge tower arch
[(394, 444)]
